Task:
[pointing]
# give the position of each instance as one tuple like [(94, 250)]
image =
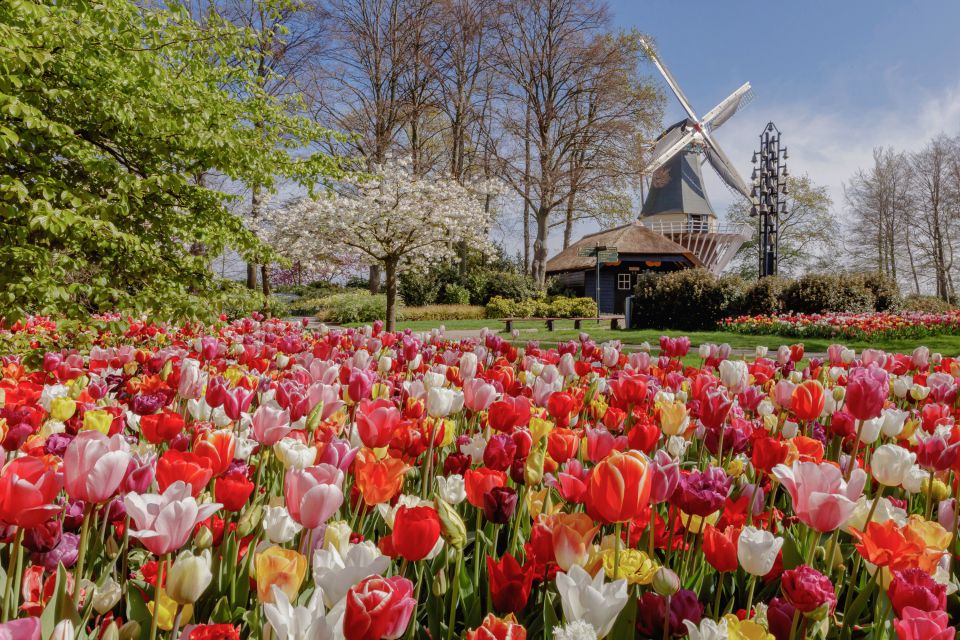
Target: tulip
[(478, 394), (494, 628), (282, 568), (674, 418), (866, 391), (186, 466), (94, 466), (619, 487), (757, 550), (478, 482), (914, 588), (164, 522), (313, 494), (499, 504), (915, 624), (590, 599), (279, 526), (379, 480), (376, 422), (308, 622), (336, 572), (219, 447), (573, 535), (28, 488), (295, 454), (720, 547), (807, 400), (451, 489), (665, 476), (707, 630), (510, 583), (821, 498), (442, 402), (378, 608), (22, 629), (270, 425), (106, 596), (416, 531), (890, 464), (189, 577), (734, 375), (808, 590), (233, 490)]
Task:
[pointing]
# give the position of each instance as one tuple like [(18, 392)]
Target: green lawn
[(535, 330)]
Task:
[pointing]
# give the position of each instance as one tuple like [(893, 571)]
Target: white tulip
[(870, 430), (468, 366), (734, 375), (579, 630), (883, 512), (300, 623), (189, 577), (901, 386), (893, 420), (474, 448), (761, 351), (757, 550), (790, 429), (294, 454), (914, 479), (708, 629), (279, 526), (890, 464), (334, 573), (590, 599), (442, 402), (452, 489)]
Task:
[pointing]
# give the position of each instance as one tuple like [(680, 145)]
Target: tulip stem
[(156, 598), (873, 507), (716, 598), (428, 475), (455, 595), (793, 624), (929, 508), (616, 550), (751, 585), (11, 571), (81, 558), (856, 449), (666, 620), (176, 623)]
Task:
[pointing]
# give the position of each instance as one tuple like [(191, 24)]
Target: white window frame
[(623, 281)]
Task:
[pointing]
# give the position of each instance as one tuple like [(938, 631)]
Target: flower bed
[(848, 326), (256, 479)]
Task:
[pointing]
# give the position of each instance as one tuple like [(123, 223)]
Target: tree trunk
[(540, 248), (526, 193), (390, 266), (265, 280), (374, 281), (255, 201)]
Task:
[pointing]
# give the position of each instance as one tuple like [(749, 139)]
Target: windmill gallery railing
[(713, 244)]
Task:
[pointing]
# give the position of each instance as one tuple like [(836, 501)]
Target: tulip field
[(260, 479), (849, 326)]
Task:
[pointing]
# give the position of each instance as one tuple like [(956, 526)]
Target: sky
[(838, 78)]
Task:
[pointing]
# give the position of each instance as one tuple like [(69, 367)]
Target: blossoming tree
[(395, 219)]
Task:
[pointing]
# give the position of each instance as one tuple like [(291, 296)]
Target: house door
[(625, 282)]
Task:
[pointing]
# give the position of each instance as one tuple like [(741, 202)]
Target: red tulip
[(28, 488), (720, 547), (508, 413), (478, 482), (629, 390), (378, 608), (415, 532), (162, 427), (562, 406), (176, 465), (619, 487), (233, 490), (807, 400), (562, 444), (510, 584)]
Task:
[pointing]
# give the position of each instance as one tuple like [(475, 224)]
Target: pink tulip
[(23, 629), (359, 384), (600, 442), (665, 476), (867, 389), (783, 394), (270, 425), (94, 465), (376, 422), (835, 354), (916, 624), (338, 453), (165, 521), (236, 401), (821, 498), (478, 394), (328, 395), (313, 494)]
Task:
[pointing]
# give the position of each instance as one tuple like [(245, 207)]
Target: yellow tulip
[(696, 524), (635, 566), (540, 428), (62, 409), (738, 629), (934, 535), (673, 418), (168, 611), (97, 420), (284, 568)]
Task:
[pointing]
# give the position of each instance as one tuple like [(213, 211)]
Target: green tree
[(809, 232), (110, 115)]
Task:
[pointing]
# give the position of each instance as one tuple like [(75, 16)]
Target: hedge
[(559, 307)]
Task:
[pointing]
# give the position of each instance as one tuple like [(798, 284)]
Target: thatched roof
[(632, 239)]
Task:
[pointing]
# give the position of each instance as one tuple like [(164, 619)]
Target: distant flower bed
[(851, 326)]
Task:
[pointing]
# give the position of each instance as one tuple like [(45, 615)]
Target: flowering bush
[(849, 326), (257, 479)]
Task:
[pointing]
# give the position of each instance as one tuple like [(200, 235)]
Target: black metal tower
[(768, 193)]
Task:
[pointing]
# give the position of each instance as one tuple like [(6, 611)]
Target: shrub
[(455, 294), (926, 304), (441, 312), (823, 292), (507, 284), (690, 299), (885, 291), (764, 296), (563, 307), (341, 308), (499, 307), (418, 288)]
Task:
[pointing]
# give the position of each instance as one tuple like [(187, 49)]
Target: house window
[(623, 281)]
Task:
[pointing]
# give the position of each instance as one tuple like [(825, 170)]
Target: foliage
[(688, 299), (395, 219), (884, 289), (418, 288), (341, 308), (926, 304), (808, 231), (112, 114), (764, 296), (558, 307), (824, 292), (455, 294), (442, 312)]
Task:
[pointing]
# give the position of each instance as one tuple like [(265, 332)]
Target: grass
[(535, 330)]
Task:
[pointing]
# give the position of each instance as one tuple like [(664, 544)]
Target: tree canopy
[(113, 118)]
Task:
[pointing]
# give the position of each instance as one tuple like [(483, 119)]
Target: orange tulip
[(619, 487), (284, 568), (494, 628), (807, 400), (218, 446), (379, 480), (562, 444), (895, 547), (573, 534)]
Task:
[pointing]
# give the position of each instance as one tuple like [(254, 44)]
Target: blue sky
[(838, 78)]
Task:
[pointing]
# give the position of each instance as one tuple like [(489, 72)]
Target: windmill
[(677, 205)]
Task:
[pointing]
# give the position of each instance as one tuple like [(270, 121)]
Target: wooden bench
[(615, 321)]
